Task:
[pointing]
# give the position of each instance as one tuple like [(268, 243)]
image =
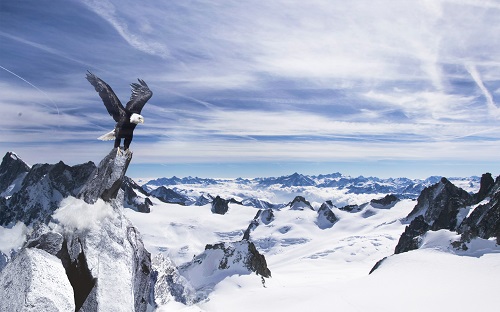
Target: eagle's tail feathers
[(108, 136)]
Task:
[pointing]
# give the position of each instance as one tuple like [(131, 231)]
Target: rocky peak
[(168, 195), (12, 171), (42, 189), (326, 218), (487, 184), (386, 202), (221, 260), (135, 197), (300, 203), (439, 205), (106, 179)]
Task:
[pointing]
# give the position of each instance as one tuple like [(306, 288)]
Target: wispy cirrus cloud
[(248, 80)]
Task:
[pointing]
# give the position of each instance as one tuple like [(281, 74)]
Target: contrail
[(492, 107), (39, 90)]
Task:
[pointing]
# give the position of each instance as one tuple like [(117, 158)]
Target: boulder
[(35, 281), (220, 205)]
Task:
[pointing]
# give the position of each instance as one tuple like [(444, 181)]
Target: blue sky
[(258, 88)]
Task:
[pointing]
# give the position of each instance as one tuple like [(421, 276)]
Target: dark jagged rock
[(410, 239), (300, 203), (326, 218), (132, 199), (386, 202), (78, 272), (107, 178), (353, 208), (377, 265), (42, 237), (483, 222), (220, 205), (439, 205), (42, 189), (168, 195), (487, 184), (12, 171)]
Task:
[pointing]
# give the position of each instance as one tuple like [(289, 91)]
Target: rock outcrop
[(264, 216), (135, 197), (12, 172), (326, 218), (167, 195), (300, 203), (439, 205), (220, 205), (410, 239), (386, 202), (106, 179), (86, 246), (169, 284), (221, 260), (35, 281)]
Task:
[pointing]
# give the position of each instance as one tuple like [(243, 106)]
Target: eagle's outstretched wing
[(113, 105), (140, 95)]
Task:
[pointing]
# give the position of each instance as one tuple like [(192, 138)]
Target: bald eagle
[(126, 117)]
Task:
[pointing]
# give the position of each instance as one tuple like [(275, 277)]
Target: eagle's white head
[(136, 118)]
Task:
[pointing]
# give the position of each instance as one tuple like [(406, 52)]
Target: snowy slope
[(327, 269)]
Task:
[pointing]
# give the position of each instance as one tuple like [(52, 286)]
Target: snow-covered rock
[(135, 197), (326, 218), (300, 203), (221, 260), (35, 281), (167, 195), (99, 251), (12, 172), (106, 249), (42, 189), (169, 284)]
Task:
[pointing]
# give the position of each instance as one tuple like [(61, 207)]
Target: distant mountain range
[(187, 190)]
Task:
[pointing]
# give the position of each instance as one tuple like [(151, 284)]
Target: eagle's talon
[(118, 151)]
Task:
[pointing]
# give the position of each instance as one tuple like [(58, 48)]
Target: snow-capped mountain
[(244, 245), (276, 192)]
